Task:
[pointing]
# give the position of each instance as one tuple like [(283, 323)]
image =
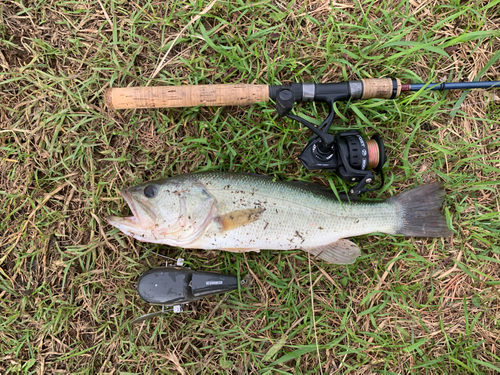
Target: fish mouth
[(128, 198), (139, 217)]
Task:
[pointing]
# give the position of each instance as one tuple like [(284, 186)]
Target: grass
[(67, 278)]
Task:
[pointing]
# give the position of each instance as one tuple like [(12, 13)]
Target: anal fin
[(339, 252)]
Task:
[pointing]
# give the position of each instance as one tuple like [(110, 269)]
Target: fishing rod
[(347, 154), (246, 94)]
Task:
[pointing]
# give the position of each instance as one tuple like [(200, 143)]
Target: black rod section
[(455, 85)]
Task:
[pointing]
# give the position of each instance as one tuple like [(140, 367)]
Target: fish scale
[(244, 212)]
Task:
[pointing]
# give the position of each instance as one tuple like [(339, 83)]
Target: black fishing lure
[(169, 286), (176, 286)]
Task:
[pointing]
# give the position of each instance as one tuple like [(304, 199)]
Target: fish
[(242, 212)]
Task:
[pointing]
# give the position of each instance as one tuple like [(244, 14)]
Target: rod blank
[(454, 85)]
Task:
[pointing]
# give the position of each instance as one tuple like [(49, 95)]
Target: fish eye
[(150, 191)]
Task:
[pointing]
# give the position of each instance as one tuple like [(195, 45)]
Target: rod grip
[(388, 88), (185, 96)]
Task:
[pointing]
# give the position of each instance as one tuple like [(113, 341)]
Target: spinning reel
[(348, 154)]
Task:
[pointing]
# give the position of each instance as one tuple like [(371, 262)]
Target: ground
[(67, 277)]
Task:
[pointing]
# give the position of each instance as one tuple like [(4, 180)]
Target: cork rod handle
[(185, 96), (381, 88)]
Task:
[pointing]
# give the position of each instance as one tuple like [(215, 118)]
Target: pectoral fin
[(340, 252), (238, 218)]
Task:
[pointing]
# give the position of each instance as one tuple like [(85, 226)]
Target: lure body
[(170, 286)]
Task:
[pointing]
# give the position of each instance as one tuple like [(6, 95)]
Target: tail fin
[(419, 210)]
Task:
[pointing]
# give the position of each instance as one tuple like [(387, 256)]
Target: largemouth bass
[(243, 212)]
